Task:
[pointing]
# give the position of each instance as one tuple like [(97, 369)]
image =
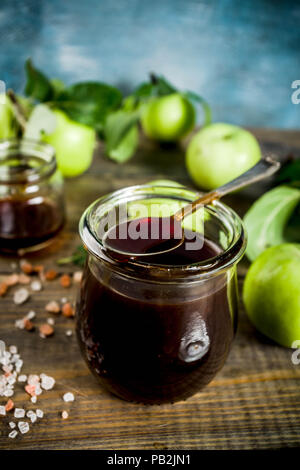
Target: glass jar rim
[(31, 148), (192, 272)]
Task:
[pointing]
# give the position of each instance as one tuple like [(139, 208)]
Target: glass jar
[(31, 195), (158, 332)]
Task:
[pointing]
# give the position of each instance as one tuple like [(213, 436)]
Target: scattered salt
[(47, 382), (23, 427), (33, 379), (20, 296), (22, 378), (68, 397), (65, 414), (39, 413), (77, 276), (13, 349), (19, 413), (2, 411), (13, 434), (36, 286), (12, 425), (30, 315), (32, 416)]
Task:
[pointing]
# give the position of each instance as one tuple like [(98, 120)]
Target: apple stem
[(18, 110)]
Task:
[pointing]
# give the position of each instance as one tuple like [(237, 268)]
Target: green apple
[(168, 118), (74, 144), (272, 293), (219, 153), (7, 120)]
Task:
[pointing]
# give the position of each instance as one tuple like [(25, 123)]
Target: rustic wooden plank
[(254, 402)]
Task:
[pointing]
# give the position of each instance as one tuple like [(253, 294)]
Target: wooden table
[(254, 402)]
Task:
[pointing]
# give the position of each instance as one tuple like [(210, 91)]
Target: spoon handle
[(265, 167)]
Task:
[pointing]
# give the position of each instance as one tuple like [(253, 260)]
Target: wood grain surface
[(253, 403)]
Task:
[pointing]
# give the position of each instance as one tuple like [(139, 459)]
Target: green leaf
[(89, 102), (157, 86), (267, 218), (37, 86), (78, 257), (289, 173), (121, 135), (145, 90), (58, 86), (197, 99), (163, 86)]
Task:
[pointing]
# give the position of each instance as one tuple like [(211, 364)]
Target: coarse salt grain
[(32, 416), (2, 348), (65, 414), (20, 296), (33, 399), (33, 379), (26, 267), (39, 413), (20, 324), (13, 349), (38, 390), (30, 389), (19, 413), (77, 276), (2, 411), (65, 280), (69, 333), (36, 286), (47, 382), (50, 321), (9, 405), (13, 434), (12, 425), (30, 315), (52, 307), (46, 330), (23, 427), (68, 397), (68, 310), (22, 378)]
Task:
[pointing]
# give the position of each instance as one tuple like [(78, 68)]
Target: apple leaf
[(157, 86), (289, 173), (198, 100), (37, 86), (121, 135), (89, 102), (78, 257), (266, 220)]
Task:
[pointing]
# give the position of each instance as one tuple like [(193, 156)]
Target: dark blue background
[(241, 55)]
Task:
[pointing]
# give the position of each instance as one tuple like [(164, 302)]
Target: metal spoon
[(265, 167)]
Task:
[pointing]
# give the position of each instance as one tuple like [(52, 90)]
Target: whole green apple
[(7, 121), (219, 153), (272, 293), (74, 144), (168, 118)]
